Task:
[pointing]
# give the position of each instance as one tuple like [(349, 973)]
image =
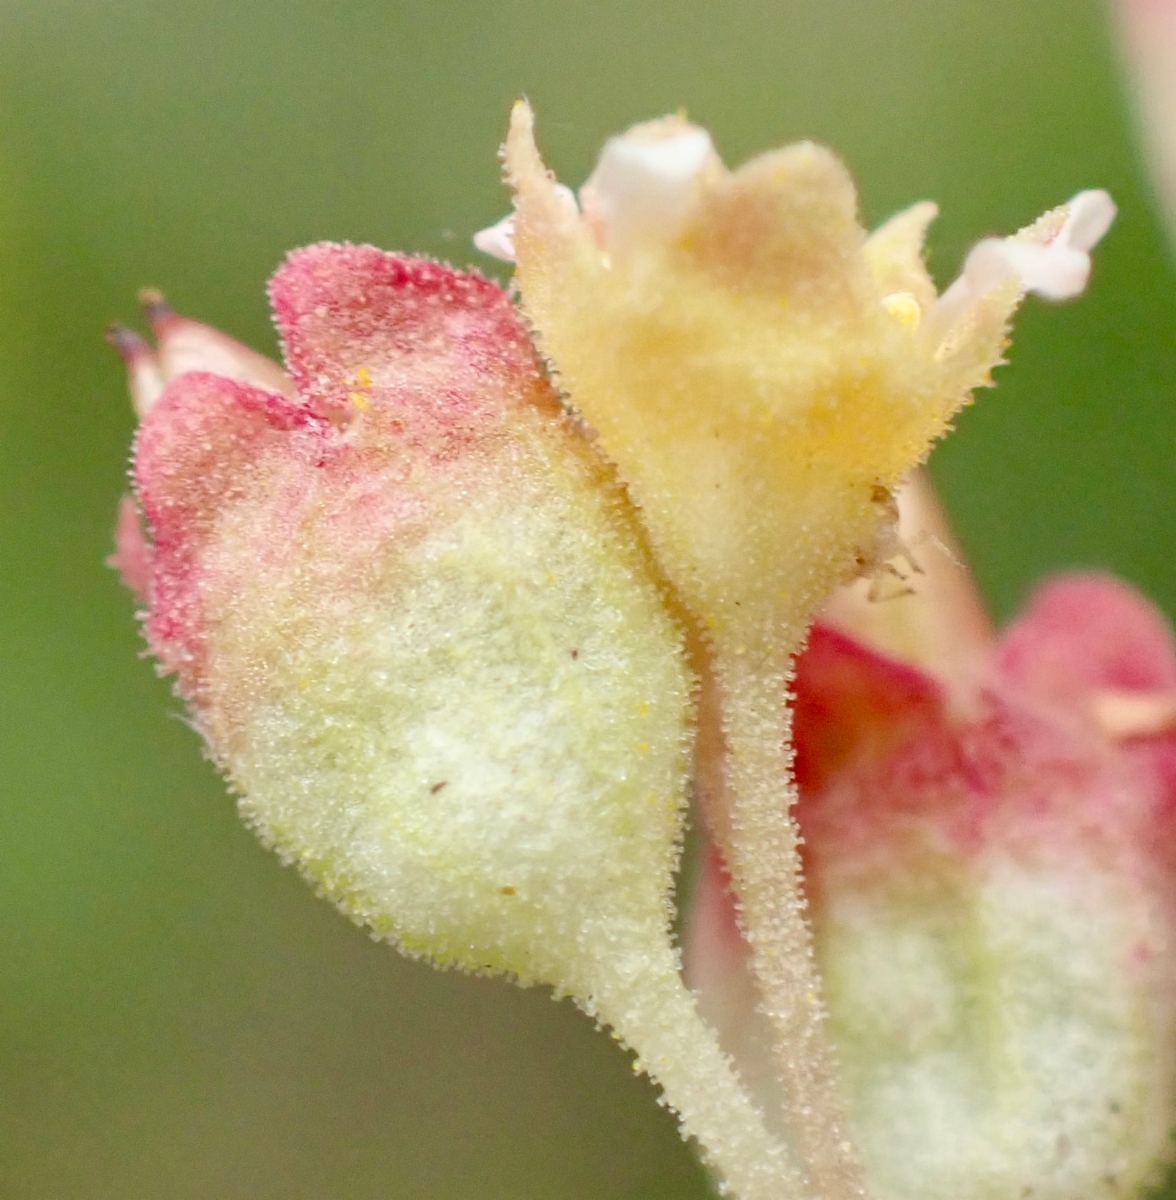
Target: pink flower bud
[(989, 870), (416, 622)]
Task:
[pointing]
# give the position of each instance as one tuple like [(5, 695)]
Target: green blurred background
[(180, 1018)]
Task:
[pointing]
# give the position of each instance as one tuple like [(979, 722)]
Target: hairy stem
[(652, 1010), (762, 850)]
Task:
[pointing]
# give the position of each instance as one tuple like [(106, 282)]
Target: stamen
[(155, 308), (904, 308)]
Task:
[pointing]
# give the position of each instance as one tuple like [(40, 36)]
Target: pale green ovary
[(993, 1044), (494, 752), (416, 733)]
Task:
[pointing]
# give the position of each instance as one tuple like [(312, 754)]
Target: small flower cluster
[(465, 644)]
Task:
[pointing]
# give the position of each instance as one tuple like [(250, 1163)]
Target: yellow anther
[(904, 308), (360, 401), (363, 377)]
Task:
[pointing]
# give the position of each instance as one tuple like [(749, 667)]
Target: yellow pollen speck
[(360, 401), (363, 377), (642, 747), (905, 309)]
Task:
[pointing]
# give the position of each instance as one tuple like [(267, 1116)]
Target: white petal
[(497, 240), (1056, 276), (145, 383), (145, 379), (643, 182), (1051, 263), (1091, 215), (1059, 268)]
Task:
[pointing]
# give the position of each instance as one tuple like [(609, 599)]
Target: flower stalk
[(764, 855)]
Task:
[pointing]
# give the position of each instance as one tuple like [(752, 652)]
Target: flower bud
[(990, 877), (416, 622)]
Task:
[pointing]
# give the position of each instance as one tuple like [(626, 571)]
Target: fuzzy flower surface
[(464, 645)]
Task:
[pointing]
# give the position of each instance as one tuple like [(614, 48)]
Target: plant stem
[(763, 857), (651, 1009)]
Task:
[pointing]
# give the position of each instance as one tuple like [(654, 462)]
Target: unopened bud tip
[(127, 342), (155, 308)]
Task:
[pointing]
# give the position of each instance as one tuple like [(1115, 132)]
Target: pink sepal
[(1084, 633), (402, 367), (852, 701), (361, 328), (892, 767), (197, 451), (132, 552)]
